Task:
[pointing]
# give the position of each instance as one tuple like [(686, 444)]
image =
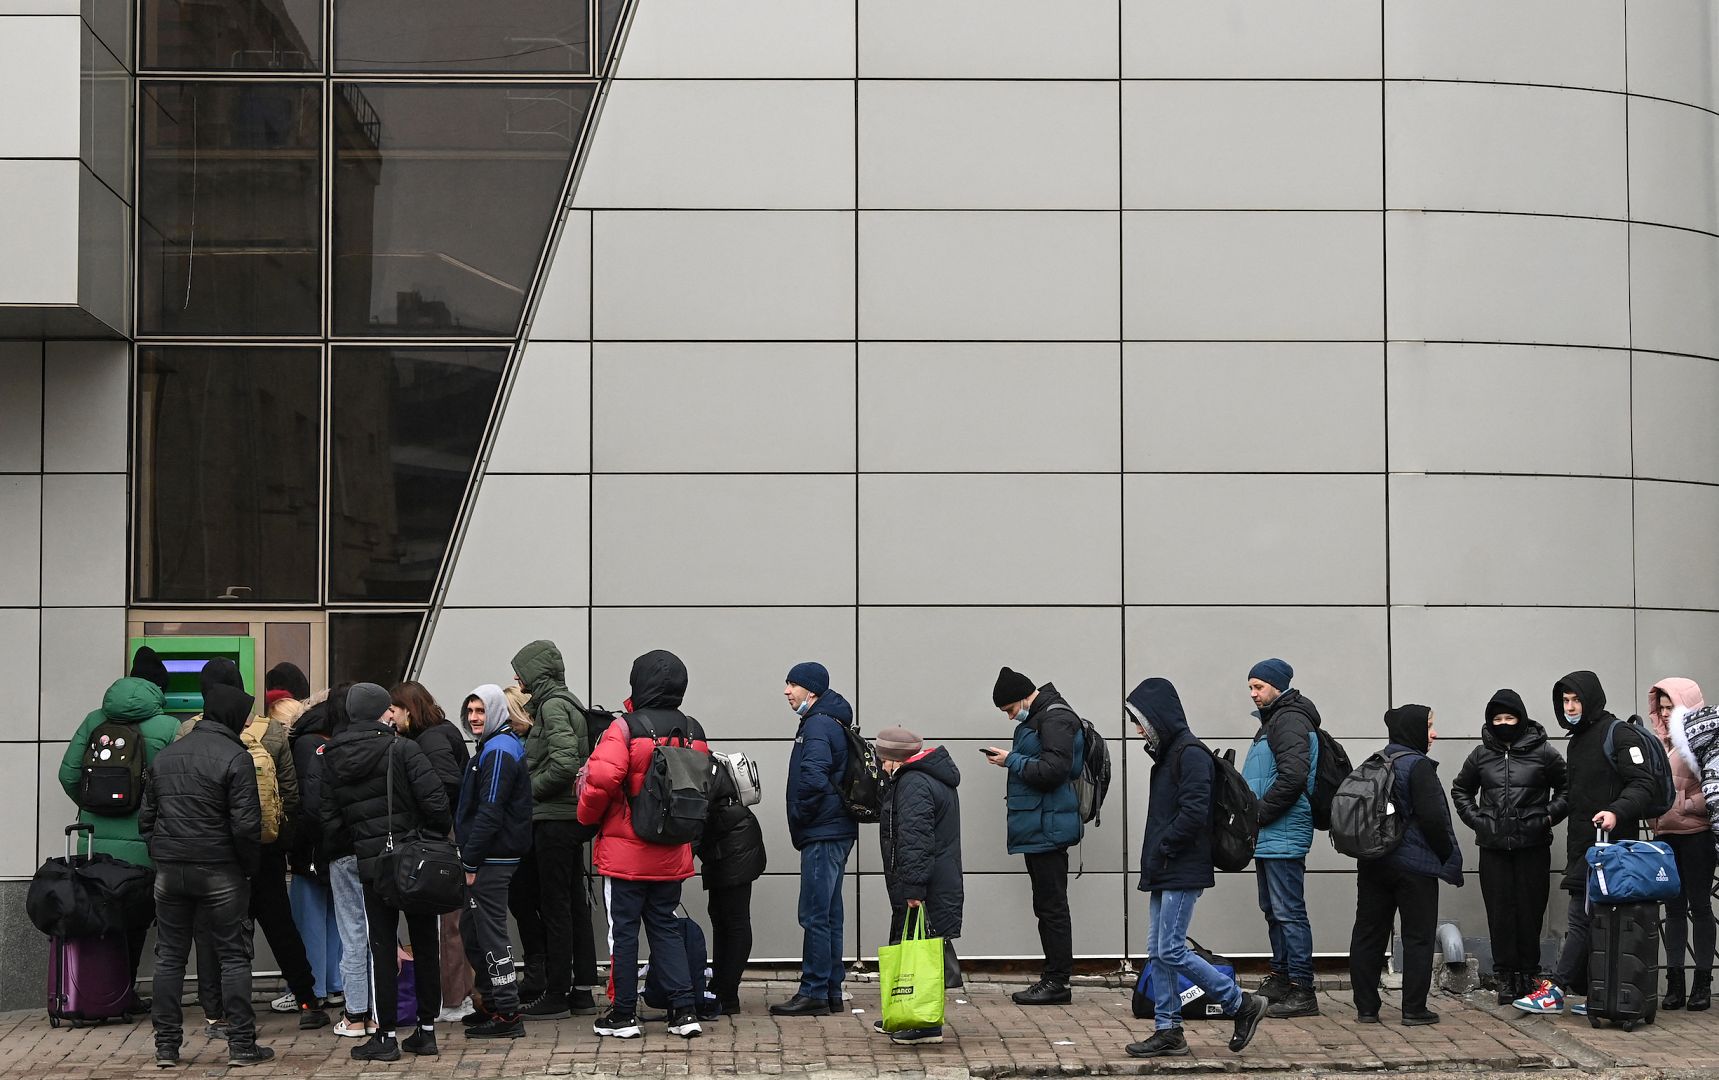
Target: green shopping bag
[(911, 975)]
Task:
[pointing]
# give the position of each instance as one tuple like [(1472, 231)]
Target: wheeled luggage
[(89, 978), (1623, 964)]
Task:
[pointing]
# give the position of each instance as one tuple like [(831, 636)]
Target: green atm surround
[(185, 657)]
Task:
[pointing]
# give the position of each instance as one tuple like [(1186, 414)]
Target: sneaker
[(354, 1027), (1167, 1043), (1579, 1008), (917, 1036), (616, 1024), (1545, 998), (378, 1047), (286, 1003), (311, 1017), (1248, 1015), (1043, 992), (1420, 1018), (167, 1059), (1274, 988), (685, 1024), (420, 1042), (250, 1055), (1300, 1001), (550, 1005), (456, 1012), (581, 1003), (497, 1026), (478, 1016), (335, 997)]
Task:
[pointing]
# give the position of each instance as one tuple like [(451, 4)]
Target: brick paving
[(986, 1036)]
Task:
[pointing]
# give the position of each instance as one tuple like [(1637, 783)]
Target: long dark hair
[(422, 712)]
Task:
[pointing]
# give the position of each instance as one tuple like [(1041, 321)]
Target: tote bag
[(911, 975)]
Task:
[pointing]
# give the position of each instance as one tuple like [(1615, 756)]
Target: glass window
[(230, 209), (403, 434), (227, 474), (443, 197), (231, 35), (608, 26), (463, 35), (371, 648)]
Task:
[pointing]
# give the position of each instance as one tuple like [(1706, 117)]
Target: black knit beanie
[(1011, 687)]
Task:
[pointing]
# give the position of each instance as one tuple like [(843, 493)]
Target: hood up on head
[(132, 700), (1155, 702), (1586, 686), (538, 665), (219, 672), (495, 715), (1407, 726), (1682, 692), (937, 762), (658, 680), (287, 676), (1685, 698), (228, 706), (147, 664)]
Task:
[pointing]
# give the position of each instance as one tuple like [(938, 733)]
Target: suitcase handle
[(72, 832)]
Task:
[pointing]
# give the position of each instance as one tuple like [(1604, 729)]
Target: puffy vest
[(1043, 820), (1414, 855), (1289, 836)]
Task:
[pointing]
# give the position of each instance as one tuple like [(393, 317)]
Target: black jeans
[(524, 903), (1572, 972), (1384, 893), (1695, 861), (1515, 886), (569, 950), (652, 903), (220, 894), (271, 910), (1049, 873), (424, 932), (730, 938)]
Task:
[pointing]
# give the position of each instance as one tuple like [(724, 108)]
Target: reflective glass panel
[(227, 474), (371, 648), (230, 208), (430, 36), (232, 35), (403, 434), (608, 26), (443, 197)]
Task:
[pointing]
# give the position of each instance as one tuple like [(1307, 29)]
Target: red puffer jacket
[(616, 772)]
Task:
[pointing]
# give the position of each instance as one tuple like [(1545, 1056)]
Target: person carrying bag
[(911, 976)]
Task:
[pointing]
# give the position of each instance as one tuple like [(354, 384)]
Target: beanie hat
[(810, 676), (897, 744), (1273, 672), (1011, 687), (366, 702), (147, 665), (272, 696), (287, 675)]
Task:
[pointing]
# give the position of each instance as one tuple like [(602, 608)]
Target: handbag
[(419, 875), (1631, 871), (911, 976)]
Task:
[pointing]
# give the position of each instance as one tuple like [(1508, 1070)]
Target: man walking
[(1045, 758), (823, 833), (1280, 769), (1176, 867)]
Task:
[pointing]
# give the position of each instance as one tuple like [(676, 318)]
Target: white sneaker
[(455, 1013), (346, 1029), (286, 1003)]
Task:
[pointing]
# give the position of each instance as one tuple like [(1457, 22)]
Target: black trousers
[(524, 903), (424, 932), (1572, 972), (1515, 886), (730, 938), (271, 910), (1048, 871), (186, 893), (1695, 862), (569, 948), (1384, 893)]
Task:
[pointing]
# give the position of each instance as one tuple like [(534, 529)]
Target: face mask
[(1021, 715), (1152, 738), (1508, 732), (803, 707)]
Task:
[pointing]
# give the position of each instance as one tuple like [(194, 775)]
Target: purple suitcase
[(89, 979)]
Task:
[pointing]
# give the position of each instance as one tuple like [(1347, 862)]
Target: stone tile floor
[(987, 1036)]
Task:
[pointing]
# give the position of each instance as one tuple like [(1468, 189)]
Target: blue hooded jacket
[(492, 823), (1177, 850), (815, 770), (1280, 768)]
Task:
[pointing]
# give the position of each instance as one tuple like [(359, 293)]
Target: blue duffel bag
[(1196, 1005), (1631, 872)]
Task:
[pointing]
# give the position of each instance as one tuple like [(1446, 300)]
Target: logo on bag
[(1662, 876), (902, 990)]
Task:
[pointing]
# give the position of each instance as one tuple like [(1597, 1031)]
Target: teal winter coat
[(1280, 768), (1047, 755)]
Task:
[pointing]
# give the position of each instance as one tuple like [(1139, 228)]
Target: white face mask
[(1021, 715), (803, 707)]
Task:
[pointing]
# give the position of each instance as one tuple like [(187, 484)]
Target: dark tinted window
[(371, 648), (403, 434), (463, 35), (608, 28), (443, 196), (227, 474), (231, 35), (230, 209)]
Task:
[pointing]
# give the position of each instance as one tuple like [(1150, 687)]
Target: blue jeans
[(653, 903), (354, 926), (1172, 911), (1283, 898), (822, 864), (313, 914)]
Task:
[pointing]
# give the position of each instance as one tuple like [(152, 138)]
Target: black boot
[(1701, 997), (1508, 982), (1674, 998)]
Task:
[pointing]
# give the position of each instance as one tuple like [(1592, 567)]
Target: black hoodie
[(1625, 785), (1512, 792), (1176, 852), (919, 831)]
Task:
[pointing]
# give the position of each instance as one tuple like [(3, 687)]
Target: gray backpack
[(674, 799), (1365, 821)]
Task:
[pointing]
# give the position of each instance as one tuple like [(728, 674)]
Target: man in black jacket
[(204, 826)]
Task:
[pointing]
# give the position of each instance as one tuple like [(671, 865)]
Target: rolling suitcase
[(1623, 964), (89, 978)]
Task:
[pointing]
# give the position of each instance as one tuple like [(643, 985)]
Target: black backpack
[(1658, 762), (1092, 783), (1365, 821), (862, 780), (674, 799), (1235, 815), (597, 718), (1329, 772), (111, 783)]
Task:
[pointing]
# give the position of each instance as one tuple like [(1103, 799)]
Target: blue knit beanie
[(811, 676), (1274, 672)]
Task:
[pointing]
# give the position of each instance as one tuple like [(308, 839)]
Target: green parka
[(558, 744), (132, 701)]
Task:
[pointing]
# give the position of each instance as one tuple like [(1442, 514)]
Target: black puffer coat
[(731, 851), (920, 833), (1512, 794), (355, 814), (449, 756), (200, 793), (310, 854)]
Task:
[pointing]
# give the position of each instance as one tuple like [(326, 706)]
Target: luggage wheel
[(1631, 1025), (53, 1021)]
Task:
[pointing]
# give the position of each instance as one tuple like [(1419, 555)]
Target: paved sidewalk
[(988, 1036)]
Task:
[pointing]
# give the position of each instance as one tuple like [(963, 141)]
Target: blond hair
[(516, 699), (287, 711)]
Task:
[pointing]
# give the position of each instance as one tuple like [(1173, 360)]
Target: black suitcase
[(1623, 964)]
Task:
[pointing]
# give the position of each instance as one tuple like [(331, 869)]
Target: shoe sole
[(393, 1057), (1531, 1011), (1421, 1023), (917, 1042), (632, 1032), (562, 1015), (164, 1063), (495, 1035), (1030, 1004), (240, 1063), (811, 1012), (1290, 1014), (692, 1031), (275, 1006), (361, 1033), (1183, 1052)]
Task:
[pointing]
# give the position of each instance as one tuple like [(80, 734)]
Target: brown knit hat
[(897, 744)]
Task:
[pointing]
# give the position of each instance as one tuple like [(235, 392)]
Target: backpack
[(111, 783), (1092, 784), (1658, 762), (862, 780), (268, 785), (1235, 815), (674, 799), (744, 772), (1365, 821), (597, 718), (656, 996), (1329, 772)]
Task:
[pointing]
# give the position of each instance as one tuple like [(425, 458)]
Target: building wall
[(1114, 340)]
